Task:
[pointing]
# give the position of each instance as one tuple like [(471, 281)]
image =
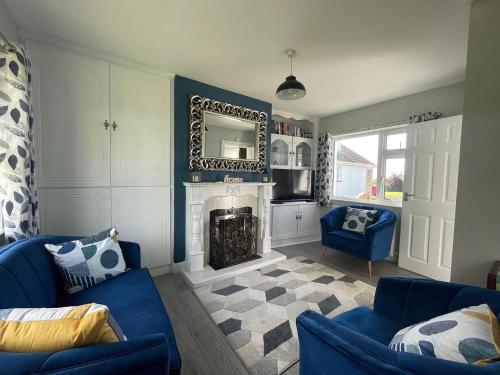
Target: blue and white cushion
[(470, 335), (356, 219), (89, 261)]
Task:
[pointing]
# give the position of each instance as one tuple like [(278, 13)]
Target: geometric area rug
[(256, 311)]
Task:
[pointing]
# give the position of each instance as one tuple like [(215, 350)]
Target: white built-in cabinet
[(288, 152), (102, 143), (295, 222)]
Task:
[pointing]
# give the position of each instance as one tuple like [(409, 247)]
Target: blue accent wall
[(183, 88)]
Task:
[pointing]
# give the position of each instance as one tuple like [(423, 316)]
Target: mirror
[(226, 137), (229, 137)]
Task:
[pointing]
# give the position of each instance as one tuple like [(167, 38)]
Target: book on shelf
[(285, 128)]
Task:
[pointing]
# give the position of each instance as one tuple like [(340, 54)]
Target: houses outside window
[(370, 166)]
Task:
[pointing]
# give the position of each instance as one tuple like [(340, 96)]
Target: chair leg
[(370, 268), (324, 250)]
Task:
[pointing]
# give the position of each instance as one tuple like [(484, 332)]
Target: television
[(292, 185)]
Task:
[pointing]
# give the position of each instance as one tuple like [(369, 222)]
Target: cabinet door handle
[(114, 126), (106, 124)]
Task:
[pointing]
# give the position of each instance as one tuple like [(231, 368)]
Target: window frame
[(383, 155), (338, 175)]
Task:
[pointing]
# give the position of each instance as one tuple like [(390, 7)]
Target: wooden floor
[(203, 348)]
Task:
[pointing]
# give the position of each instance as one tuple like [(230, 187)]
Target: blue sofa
[(30, 278), (355, 342), (375, 244)]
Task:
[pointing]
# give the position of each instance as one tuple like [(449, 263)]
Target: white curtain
[(18, 195), (323, 186)]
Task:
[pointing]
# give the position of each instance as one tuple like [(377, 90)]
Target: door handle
[(114, 126), (406, 195), (106, 124)]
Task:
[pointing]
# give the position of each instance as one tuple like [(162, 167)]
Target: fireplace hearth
[(233, 237)]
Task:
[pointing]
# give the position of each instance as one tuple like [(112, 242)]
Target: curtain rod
[(7, 46), (370, 128)]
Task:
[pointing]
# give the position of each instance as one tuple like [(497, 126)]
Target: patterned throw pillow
[(470, 335), (56, 329), (356, 219), (89, 261)]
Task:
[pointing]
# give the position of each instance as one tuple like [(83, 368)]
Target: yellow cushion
[(55, 329)]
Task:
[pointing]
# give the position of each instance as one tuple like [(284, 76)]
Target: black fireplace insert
[(233, 237)]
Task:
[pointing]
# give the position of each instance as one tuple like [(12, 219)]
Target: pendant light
[(291, 89)]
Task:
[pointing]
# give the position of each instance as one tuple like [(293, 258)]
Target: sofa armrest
[(149, 354), (378, 237), (131, 253), (332, 220), (411, 301), (327, 347)]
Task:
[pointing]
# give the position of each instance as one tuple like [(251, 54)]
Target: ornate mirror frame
[(200, 104)]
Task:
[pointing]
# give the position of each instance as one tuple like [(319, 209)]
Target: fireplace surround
[(203, 197)]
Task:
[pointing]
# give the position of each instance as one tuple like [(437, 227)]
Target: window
[(370, 166), (338, 176)]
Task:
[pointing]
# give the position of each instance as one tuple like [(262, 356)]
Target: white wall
[(448, 100), (7, 24), (477, 232)]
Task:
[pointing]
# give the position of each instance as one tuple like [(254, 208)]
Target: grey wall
[(477, 234), (7, 24), (216, 134), (448, 100)]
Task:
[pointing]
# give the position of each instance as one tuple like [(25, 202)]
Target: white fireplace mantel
[(197, 195)]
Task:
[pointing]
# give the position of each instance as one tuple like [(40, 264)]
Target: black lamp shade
[(291, 89)]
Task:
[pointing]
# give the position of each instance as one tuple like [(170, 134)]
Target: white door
[(309, 220), (285, 219), (142, 215), (74, 212), (428, 215), (71, 98), (140, 131)]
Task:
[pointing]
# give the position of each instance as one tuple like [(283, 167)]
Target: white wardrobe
[(102, 143)]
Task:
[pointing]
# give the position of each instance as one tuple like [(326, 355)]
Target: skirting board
[(157, 271), (294, 241), (209, 275)]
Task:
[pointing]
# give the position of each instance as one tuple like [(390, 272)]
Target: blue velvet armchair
[(356, 342), (375, 244)]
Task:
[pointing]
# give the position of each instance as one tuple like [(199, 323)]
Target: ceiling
[(350, 53)]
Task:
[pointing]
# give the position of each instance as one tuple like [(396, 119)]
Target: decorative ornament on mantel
[(291, 89), (195, 175), (232, 180)]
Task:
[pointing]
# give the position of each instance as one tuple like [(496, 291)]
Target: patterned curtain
[(324, 169), (427, 116), (18, 195)]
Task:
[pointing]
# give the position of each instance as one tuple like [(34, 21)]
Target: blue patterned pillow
[(357, 220), (89, 261), (470, 335)]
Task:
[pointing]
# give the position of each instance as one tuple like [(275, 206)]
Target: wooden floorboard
[(204, 349)]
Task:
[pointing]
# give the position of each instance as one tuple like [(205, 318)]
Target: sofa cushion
[(342, 240), (56, 328), (369, 323), (135, 304), (88, 261)]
